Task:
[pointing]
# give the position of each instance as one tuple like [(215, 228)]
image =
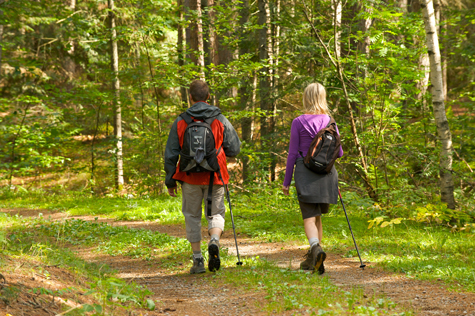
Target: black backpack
[(323, 150), (198, 153)]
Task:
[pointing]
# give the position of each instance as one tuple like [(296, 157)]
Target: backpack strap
[(332, 121), (186, 117)]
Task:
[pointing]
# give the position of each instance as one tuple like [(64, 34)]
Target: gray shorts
[(192, 207)]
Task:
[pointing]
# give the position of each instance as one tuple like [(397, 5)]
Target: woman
[(315, 191)]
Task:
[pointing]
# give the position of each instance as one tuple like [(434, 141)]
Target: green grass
[(302, 292), (420, 250), (35, 243)]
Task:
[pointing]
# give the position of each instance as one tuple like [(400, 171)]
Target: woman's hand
[(285, 189)]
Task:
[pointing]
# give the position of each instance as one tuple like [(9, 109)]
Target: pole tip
[(239, 263), (362, 266)]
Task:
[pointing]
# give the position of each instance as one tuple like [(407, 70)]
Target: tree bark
[(246, 122), (194, 35), (443, 129), (181, 57), (263, 57), (212, 47), (69, 64), (275, 39), (117, 104), (337, 12)]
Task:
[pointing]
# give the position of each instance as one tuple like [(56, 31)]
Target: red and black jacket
[(225, 136)]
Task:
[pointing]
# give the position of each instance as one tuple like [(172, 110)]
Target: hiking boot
[(198, 266), (314, 259), (320, 256), (214, 262), (308, 263), (321, 270)]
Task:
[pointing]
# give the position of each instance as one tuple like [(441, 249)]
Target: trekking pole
[(349, 225), (239, 263)]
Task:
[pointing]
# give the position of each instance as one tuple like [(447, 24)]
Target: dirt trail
[(424, 297), (184, 294)]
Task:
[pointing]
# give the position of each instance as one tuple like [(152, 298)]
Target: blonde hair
[(315, 99)]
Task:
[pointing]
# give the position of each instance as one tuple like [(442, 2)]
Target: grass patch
[(31, 243), (301, 292)]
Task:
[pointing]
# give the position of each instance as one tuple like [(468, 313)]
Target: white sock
[(215, 237), (197, 255), (313, 241)]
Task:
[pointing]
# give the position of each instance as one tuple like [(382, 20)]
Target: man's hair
[(199, 90)]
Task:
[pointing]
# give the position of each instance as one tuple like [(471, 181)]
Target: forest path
[(183, 294)]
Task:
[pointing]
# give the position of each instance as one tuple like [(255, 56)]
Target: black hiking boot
[(198, 266), (214, 262)]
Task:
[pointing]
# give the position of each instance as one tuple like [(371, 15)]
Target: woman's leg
[(313, 227), (318, 223), (310, 226)]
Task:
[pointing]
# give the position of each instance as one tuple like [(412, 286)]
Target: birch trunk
[(275, 81), (443, 129), (337, 11), (199, 29), (263, 57), (117, 105)]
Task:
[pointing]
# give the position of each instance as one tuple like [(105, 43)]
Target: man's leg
[(192, 197), (215, 226)]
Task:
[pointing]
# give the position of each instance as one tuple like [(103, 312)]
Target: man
[(195, 185)]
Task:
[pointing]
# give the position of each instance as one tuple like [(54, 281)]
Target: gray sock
[(313, 241), (215, 237), (197, 254)]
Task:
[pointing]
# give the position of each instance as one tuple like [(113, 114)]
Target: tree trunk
[(117, 105), (263, 57), (181, 57), (69, 64), (337, 11), (246, 122), (194, 35), (213, 55), (1, 40), (443, 129), (275, 40)]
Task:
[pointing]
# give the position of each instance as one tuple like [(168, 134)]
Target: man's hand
[(173, 191), (285, 190)]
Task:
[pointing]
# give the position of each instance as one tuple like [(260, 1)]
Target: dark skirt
[(313, 187)]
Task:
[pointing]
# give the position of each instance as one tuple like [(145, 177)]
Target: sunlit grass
[(421, 251)]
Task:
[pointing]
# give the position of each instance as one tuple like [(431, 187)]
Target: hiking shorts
[(313, 209), (192, 207)]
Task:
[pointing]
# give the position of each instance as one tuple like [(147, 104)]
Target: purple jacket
[(304, 128)]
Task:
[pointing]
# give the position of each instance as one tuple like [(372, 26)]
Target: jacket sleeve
[(172, 153), (231, 141)]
